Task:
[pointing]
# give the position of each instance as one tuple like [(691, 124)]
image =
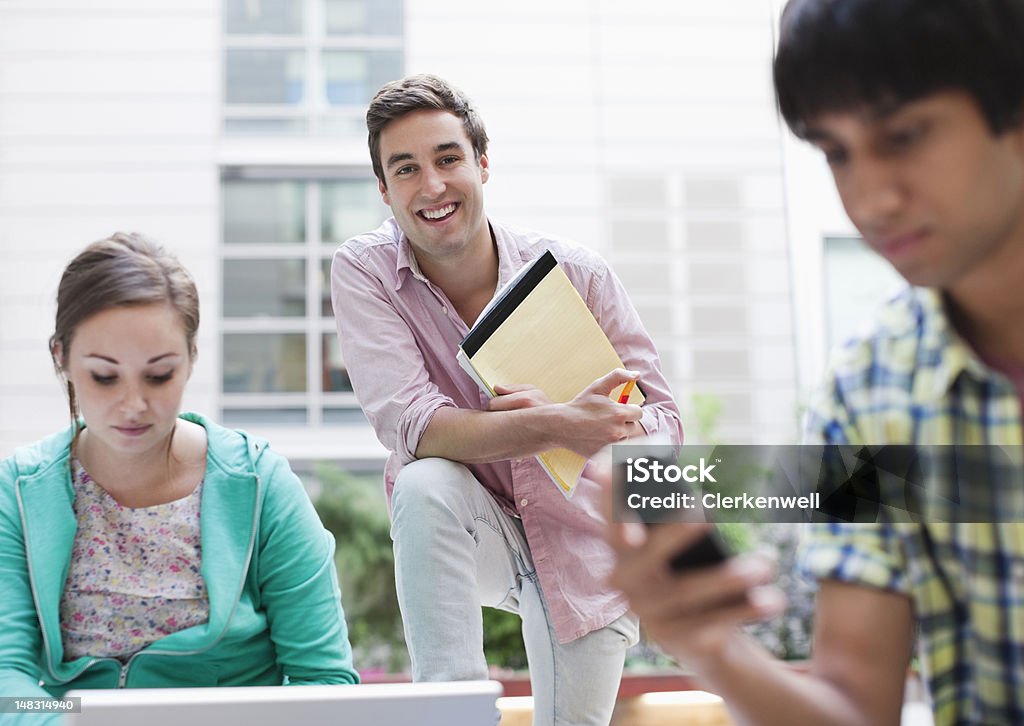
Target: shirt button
[(444, 310), (523, 502)]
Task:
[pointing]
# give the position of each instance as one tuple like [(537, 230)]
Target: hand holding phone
[(711, 549), (693, 607)]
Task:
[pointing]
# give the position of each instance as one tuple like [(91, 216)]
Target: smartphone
[(711, 549)]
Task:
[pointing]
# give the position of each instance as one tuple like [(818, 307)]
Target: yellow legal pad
[(537, 330)]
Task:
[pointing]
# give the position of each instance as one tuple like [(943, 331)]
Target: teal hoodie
[(267, 561)]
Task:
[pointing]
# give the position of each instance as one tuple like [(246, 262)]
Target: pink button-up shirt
[(399, 335)]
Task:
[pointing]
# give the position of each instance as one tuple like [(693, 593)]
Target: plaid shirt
[(913, 380)]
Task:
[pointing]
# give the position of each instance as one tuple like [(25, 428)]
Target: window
[(281, 362), (857, 281), (295, 69), (307, 67)]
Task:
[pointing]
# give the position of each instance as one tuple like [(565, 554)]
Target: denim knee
[(428, 488), (430, 479)]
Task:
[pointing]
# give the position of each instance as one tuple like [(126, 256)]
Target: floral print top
[(134, 575)]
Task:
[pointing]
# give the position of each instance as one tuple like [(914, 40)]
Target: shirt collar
[(406, 263), (509, 258), (940, 341)]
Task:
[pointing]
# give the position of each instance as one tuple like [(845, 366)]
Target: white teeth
[(438, 213)]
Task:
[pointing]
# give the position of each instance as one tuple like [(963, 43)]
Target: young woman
[(143, 547)]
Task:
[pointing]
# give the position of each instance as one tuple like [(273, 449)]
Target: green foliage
[(707, 410), (738, 535), (353, 508), (789, 635), (503, 639)]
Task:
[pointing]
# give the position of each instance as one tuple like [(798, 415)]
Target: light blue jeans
[(455, 550)]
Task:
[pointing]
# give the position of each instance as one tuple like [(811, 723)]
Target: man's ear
[(485, 172), (383, 192)]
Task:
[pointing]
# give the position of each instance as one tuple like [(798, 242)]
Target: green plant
[(354, 510), (789, 635), (707, 410), (503, 639)]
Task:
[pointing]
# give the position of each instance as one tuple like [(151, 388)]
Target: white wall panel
[(41, 76), (153, 189), (108, 121), (85, 119), (55, 33)]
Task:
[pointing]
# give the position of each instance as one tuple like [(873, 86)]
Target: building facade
[(232, 132)]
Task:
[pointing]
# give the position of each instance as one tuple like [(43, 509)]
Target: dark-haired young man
[(918, 106), (475, 519)]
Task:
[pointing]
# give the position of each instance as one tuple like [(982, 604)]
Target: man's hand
[(693, 615), (862, 636), (515, 397), (522, 421), (588, 422), (593, 420)]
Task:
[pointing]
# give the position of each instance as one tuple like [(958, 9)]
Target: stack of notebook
[(538, 330)]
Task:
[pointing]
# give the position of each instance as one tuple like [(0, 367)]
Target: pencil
[(626, 390)]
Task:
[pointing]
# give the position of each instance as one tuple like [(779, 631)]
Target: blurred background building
[(233, 132)]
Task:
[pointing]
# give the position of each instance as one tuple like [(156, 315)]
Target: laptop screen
[(468, 703)]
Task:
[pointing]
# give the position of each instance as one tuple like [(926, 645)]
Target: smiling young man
[(475, 519), (918, 106)]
